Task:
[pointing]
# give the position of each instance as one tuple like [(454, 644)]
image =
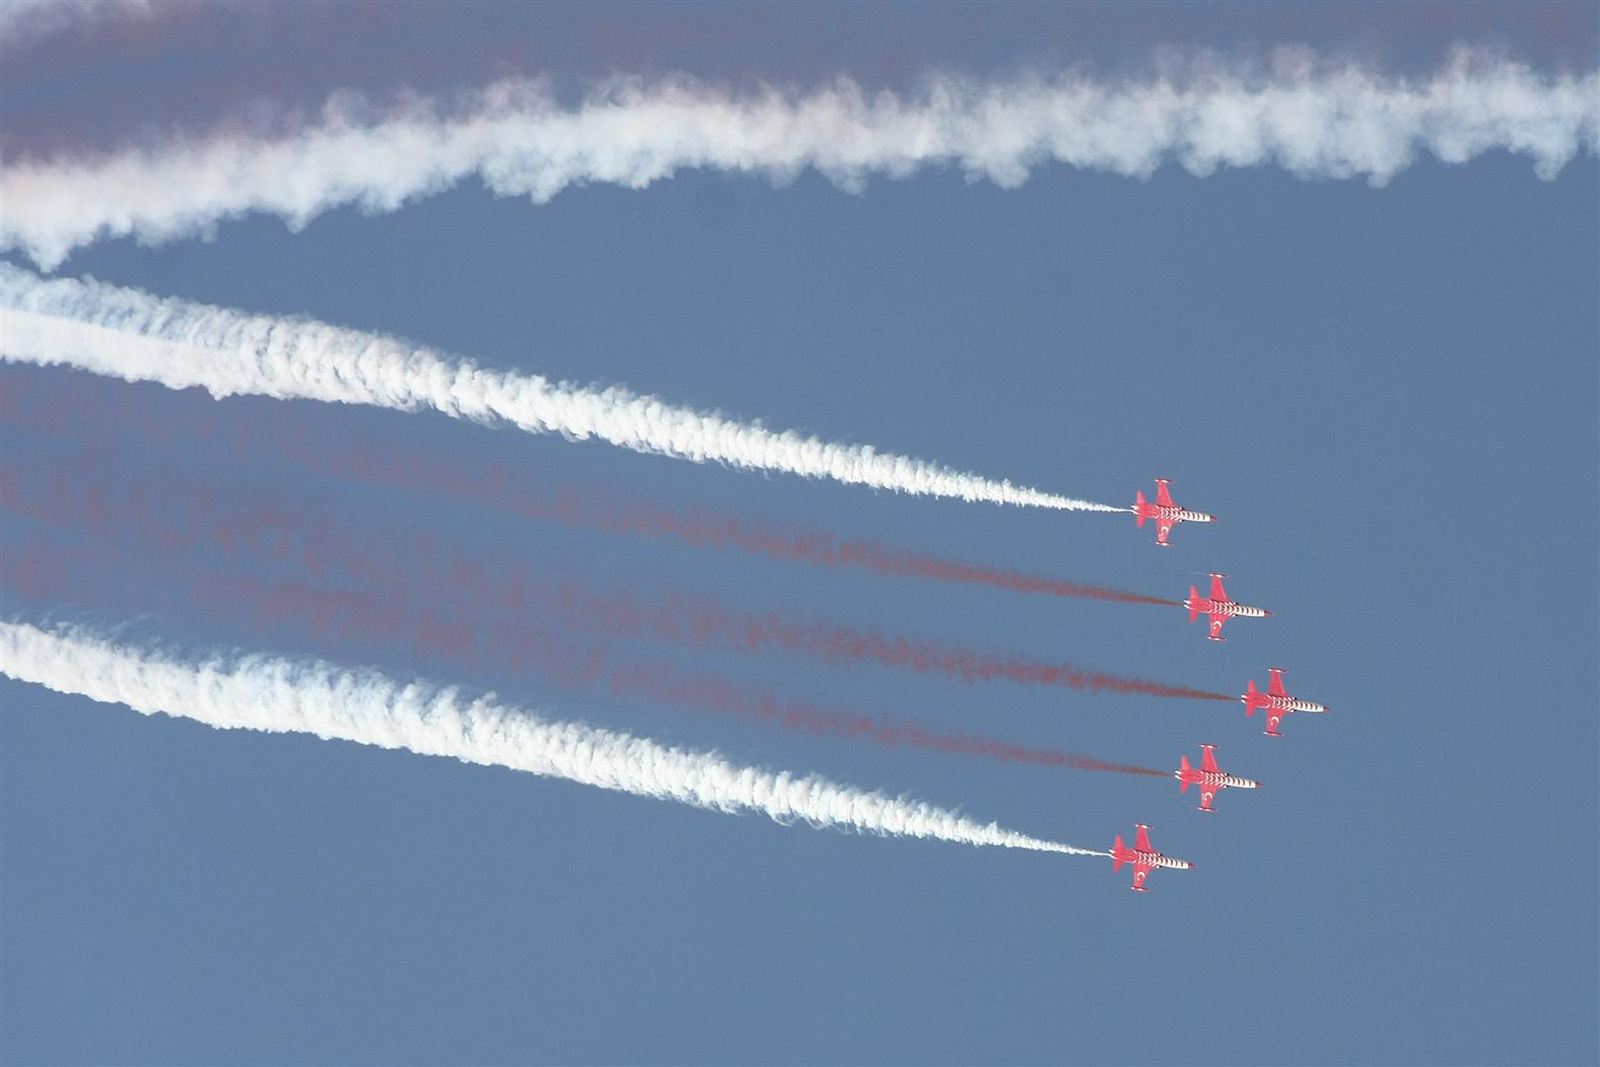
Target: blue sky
[(1387, 395)]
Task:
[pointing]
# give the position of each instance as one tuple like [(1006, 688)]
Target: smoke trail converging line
[(276, 695), (444, 637), (86, 415), (496, 586), (1314, 117), (657, 682), (129, 334)]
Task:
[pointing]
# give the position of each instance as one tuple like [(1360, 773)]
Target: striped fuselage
[(1223, 608)]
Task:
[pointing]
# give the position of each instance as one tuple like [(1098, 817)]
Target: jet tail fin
[(1183, 784), (1116, 855), (1250, 701), (1194, 610), (1138, 501)]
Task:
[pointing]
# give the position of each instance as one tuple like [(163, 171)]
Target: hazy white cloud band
[(1316, 119), (276, 695), (25, 21), (132, 335)]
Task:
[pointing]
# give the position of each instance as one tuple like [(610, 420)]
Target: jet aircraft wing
[(1208, 758), (1163, 495), (1217, 592), (1216, 624), (1276, 687), (1163, 527), (1142, 842)]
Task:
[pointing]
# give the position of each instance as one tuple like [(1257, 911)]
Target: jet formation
[(1276, 702)]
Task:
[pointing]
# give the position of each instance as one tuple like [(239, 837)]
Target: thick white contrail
[(1316, 118), (129, 334), (276, 695)]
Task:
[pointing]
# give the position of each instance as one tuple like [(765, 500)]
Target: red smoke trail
[(686, 621), (494, 489), (712, 694), (524, 649), (700, 624), (36, 569)]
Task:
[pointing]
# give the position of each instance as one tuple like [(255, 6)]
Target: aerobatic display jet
[(1144, 858), (1218, 607), (1276, 701), (1166, 513), (1209, 777)]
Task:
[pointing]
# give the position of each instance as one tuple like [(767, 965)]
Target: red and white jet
[(1144, 858), (1209, 777), (1166, 513), (1219, 607), (1276, 700)]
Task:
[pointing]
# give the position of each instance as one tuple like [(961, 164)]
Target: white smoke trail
[(128, 334), (275, 695), (1315, 118)]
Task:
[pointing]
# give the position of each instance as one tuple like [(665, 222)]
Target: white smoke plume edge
[(132, 335), (277, 695), (1316, 119)]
